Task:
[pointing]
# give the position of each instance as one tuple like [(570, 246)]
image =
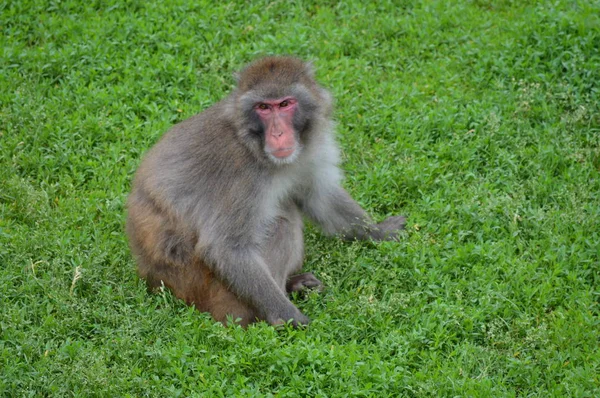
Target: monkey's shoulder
[(204, 127)]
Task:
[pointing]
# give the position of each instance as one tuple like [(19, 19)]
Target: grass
[(480, 120)]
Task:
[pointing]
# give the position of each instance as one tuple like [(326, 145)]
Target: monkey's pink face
[(277, 117)]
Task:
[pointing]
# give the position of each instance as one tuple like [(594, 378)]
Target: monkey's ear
[(310, 69)]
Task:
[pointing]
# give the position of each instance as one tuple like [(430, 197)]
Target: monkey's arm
[(245, 272), (337, 213)]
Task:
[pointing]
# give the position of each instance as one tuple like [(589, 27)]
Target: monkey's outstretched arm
[(337, 213), (246, 274)]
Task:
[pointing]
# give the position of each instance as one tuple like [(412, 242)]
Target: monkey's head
[(278, 104)]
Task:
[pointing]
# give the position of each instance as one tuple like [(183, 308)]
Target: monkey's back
[(198, 160)]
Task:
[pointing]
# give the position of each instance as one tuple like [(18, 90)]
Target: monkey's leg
[(196, 285), (222, 304), (165, 258)]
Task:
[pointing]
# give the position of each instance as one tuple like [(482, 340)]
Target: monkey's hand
[(297, 319), (388, 229)]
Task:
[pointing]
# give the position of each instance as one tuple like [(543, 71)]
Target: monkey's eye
[(283, 104), (263, 106)]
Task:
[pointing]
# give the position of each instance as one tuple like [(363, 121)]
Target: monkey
[(216, 209)]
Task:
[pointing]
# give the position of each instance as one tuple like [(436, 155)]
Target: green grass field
[(480, 120)]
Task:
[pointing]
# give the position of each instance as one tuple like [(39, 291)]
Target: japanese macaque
[(215, 213)]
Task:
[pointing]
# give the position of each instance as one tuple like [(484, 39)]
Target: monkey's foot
[(303, 282)]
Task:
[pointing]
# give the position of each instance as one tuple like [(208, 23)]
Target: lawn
[(479, 120)]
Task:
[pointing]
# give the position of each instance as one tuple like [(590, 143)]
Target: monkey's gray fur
[(216, 219)]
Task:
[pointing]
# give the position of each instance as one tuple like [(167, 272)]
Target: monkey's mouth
[(283, 152)]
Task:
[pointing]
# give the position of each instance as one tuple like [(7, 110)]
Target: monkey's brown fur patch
[(165, 259)]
